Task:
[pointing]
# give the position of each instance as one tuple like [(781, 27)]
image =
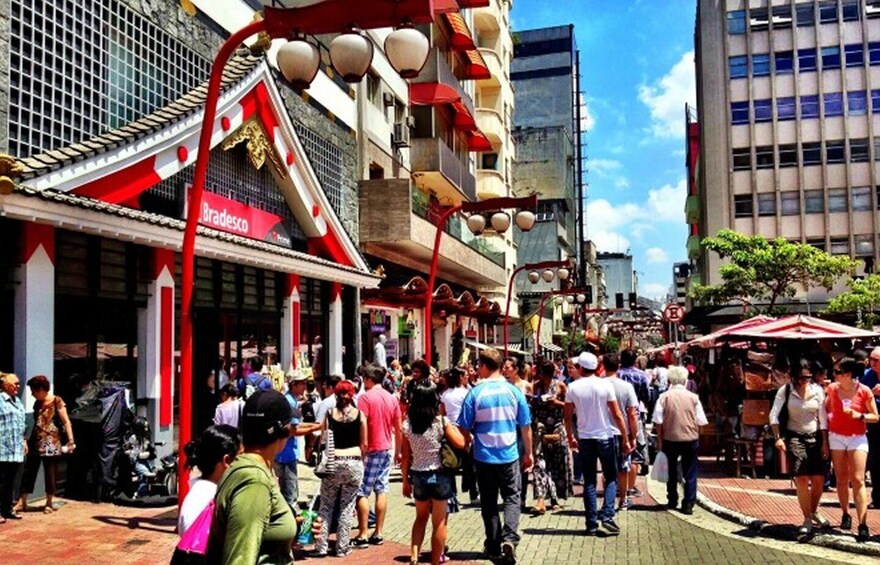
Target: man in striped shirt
[(491, 413)]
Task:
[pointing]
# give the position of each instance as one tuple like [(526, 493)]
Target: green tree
[(863, 297), (761, 269)]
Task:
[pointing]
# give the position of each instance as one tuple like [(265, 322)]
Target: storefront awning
[(475, 66), (473, 3), (461, 38), (552, 347), (477, 141)]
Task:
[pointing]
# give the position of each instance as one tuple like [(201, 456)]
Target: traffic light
[(589, 294), (618, 299), (633, 301)]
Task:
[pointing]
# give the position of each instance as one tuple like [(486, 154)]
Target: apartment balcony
[(491, 124), (490, 184), (436, 69), (495, 66), (489, 18), (398, 224), (435, 167)]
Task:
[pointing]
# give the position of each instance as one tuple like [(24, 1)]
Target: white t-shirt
[(200, 494), (590, 397), (452, 400)]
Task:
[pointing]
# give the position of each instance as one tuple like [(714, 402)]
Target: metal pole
[(540, 319), (432, 278), (187, 274), (515, 272)]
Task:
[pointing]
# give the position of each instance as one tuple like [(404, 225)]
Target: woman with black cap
[(252, 521)]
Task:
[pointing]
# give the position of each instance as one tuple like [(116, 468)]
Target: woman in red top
[(850, 405)]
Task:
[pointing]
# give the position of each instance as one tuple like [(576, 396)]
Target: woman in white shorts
[(850, 405)]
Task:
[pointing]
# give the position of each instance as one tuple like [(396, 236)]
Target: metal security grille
[(79, 68), (326, 160)]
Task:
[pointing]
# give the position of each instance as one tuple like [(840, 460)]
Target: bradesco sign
[(231, 216)]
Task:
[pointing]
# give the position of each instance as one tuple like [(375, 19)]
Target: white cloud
[(621, 182), (603, 167), (667, 202), (588, 121), (653, 290), (602, 213), (609, 241), (656, 255), (666, 98)]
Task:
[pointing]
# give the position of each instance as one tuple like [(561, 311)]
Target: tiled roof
[(86, 203), (238, 67)]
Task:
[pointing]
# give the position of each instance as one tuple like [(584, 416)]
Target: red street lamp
[(534, 276), (499, 221), (298, 61), (574, 294)]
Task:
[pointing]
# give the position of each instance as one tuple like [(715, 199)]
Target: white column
[(443, 339), (35, 306), (334, 337), (290, 324)]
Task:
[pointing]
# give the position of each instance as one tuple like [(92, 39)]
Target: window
[(784, 61), (850, 10), (759, 20), (864, 245), (812, 154), (736, 22), (854, 55), (374, 90), (810, 106), (782, 17), (818, 243), (791, 203), (830, 58), (837, 200), (739, 113), (858, 151), (807, 60), (814, 202), (742, 158), (872, 8), (874, 52), (875, 100), (828, 12), (835, 152), (788, 155), (739, 66), (786, 109), (767, 204), (763, 111), (856, 103), (805, 15), (743, 206), (761, 65), (861, 198), (839, 246), (833, 104), (764, 157)]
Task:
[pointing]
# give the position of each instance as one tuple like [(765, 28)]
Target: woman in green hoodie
[(252, 521)]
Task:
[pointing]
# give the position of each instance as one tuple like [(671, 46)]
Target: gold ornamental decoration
[(263, 42), (9, 170), (259, 148)]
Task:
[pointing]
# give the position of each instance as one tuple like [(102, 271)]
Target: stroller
[(141, 475)]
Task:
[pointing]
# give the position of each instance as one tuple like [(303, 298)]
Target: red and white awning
[(710, 340), (801, 327)]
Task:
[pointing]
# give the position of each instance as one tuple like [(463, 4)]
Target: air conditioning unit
[(388, 99), (411, 121), (400, 136)]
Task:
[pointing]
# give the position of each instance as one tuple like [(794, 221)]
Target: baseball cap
[(296, 376), (265, 417), (588, 361)]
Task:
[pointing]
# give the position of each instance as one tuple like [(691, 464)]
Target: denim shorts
[(432, 485)]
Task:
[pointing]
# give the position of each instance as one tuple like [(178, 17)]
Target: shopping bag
[(660, 470), (193, 546)]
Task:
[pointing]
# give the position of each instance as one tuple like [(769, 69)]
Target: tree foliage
[(862, 297), (758, 269)]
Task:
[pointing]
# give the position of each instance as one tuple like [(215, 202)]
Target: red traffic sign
[(673, 313)]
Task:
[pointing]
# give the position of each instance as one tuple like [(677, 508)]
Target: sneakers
[(611, 527), (376, 540), (634, 492), (820, 520), (687, 509), (846, 522), (508, 552), (863, 534), (625, 504), (359, 542), (591, 531), (490, 554), (807, 527)]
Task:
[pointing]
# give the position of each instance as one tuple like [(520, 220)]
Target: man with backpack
[(254, 381)]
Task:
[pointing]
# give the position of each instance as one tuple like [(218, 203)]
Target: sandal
[(48, 510), (539, 511)]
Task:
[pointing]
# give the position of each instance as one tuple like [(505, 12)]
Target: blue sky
[(636, 75)]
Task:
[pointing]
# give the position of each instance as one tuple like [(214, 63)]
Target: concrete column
[(35, 306), (156, 347), (443, 341), (334, 330), (290, 325)]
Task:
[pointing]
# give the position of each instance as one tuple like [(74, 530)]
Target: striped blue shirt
[(493, 411)]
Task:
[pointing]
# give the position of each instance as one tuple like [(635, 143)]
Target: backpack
[(251, 387)]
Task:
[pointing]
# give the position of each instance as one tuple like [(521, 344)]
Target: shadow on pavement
[(554, 532), (163, 524)]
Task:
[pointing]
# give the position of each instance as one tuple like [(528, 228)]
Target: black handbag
[(783, 413), (56, 419)]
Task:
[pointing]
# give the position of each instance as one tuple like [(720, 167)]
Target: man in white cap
[(593, 401)]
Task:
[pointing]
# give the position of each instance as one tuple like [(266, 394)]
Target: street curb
[(789, 533)]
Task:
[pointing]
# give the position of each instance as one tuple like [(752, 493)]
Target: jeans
[(605, 451), (503, 479), (469, 476), (288, 483), (687, 451)]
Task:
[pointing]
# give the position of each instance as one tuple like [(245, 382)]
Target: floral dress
[(46, 437), (548, 420)]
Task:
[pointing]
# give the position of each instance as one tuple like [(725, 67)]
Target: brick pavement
[(103, 533)]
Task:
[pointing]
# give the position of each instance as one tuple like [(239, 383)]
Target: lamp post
[(298, 60), (576, 294), (500, 221), (534, 276)]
